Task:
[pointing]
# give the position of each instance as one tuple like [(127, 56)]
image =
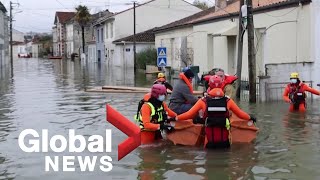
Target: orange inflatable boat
[(187, 133)]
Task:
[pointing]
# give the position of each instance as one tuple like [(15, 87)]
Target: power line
[(61, 4), (30, 28), (282, 14)]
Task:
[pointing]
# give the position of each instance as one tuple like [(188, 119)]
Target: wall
[(17, 36), (315, 37), (280, 73), (172, 41), (124, 56), (36, 49), (288, 42), (101, 55), (69, 39), (18, 49), (2, 36), (153, 14), (92, 53)]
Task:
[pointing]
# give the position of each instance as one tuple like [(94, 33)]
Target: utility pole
[(251, 55), (11, 53), (10, 30), (134, 37), (240, 48)]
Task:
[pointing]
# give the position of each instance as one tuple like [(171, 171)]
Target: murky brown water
[(49, 94)]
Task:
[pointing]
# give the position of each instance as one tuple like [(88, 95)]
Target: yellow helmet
[(294, 75), (161, 75)]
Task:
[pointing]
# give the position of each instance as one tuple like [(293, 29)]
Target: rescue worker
[(216, 107), (227, 81), (162, 80), (153, 115), (182, 98), (294, 93)]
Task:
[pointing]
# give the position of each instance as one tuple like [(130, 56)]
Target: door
[(99, 55)]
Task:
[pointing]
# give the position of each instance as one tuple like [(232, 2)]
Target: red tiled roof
[(230, 10), (146, 36), (64, 16), (234, 8)]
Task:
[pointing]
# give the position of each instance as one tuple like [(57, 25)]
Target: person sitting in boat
[(182, 98), (205, 78), (294, 93), (153, 115), (162, 80), (216, 106), (227, 82)]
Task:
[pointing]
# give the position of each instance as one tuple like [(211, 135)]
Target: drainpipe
[(123, 53)]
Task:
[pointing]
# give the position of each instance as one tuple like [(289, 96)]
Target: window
[(107, 32), (111, 29), (127, 49), (98, 35), (102, 35)]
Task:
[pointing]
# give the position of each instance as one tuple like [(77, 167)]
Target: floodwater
[(50, 94)]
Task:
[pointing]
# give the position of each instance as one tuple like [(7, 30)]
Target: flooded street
[(50, 94)]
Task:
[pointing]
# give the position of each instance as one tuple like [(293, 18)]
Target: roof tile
[(146, 36)]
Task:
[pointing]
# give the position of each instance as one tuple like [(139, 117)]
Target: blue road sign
[(162, 61), (162, 51)]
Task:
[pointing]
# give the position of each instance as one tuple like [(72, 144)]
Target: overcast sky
[(38, 15)]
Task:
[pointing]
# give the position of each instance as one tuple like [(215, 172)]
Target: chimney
[(221, 4)]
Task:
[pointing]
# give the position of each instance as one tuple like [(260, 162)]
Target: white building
[(124, 47), (148, 15), (3, 36), (92, 51), (286, 38), (19, 48), (36, 49), (59, 32), (17, 36)]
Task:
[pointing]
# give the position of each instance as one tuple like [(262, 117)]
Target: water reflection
[(7, 124), (49, 94), (176, 162)]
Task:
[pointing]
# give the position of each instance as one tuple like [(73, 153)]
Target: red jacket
[(228, 80)]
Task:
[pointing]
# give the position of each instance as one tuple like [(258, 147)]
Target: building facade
[(4, 43), (59, 32), (151, 14)]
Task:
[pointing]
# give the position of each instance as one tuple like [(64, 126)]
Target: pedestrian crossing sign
[(162, 61), (162, 57), (162, 51)]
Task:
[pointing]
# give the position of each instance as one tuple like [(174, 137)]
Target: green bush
[(146, 57)]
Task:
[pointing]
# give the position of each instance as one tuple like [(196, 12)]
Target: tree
[(146, 57), (201, 5), (82, 17)]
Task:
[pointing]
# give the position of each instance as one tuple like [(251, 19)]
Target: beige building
[(286, 39), (59, 32)]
